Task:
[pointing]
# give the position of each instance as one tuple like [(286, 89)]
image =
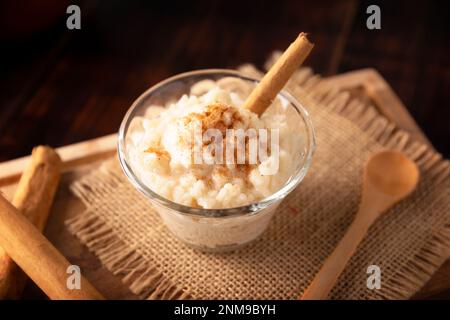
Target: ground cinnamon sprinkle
[(213, 117), (222, 117), (158, 151)]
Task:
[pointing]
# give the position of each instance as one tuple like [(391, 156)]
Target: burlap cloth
[(408, 243)]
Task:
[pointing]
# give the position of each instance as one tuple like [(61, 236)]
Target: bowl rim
[(248, 209)]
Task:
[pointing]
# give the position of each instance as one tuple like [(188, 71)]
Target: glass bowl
[(214, 229)]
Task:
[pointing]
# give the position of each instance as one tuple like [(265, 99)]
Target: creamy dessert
[(162, 144), (170, 150)]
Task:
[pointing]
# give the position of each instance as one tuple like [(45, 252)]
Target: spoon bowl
[(392, 173)]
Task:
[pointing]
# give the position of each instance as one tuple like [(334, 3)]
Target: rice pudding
[(162, 153), (161, 146)]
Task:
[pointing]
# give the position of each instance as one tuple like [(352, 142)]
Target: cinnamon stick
[(37, 257), (277, 77), (33, 198)]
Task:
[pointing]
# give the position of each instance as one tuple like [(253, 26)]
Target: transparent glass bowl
[(214, 229)]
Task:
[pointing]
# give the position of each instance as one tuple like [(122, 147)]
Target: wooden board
[(81, 157)]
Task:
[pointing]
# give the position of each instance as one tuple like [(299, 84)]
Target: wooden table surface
[(61, 86)]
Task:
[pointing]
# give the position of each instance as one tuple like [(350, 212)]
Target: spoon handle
[(333, 266)]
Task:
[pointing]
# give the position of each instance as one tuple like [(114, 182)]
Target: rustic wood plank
[(383, 98), (72, 156), (341, 40)]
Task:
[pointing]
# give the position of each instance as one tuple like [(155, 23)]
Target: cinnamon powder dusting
[(222, 117), (160, 153), (216, 116)]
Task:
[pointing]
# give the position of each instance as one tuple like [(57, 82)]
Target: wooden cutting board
[(79, 158)]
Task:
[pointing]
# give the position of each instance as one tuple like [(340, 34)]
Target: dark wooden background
[(59, 87)]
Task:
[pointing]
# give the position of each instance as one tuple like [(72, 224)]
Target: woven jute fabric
[(408, 243)]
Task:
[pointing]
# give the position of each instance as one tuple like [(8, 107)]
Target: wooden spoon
[(389, 177)]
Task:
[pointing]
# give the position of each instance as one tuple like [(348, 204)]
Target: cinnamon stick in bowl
[(277, 77)]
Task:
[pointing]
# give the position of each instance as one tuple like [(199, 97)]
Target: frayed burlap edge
[(147, 282), (136, 272)]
